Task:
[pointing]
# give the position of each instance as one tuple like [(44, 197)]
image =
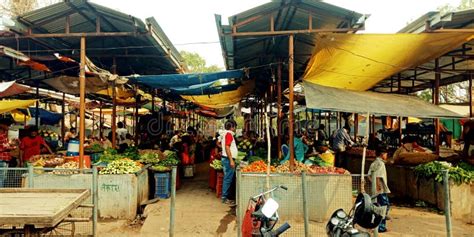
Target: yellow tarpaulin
[(9, 105), (20, 117), (359, 61), (223, 99)]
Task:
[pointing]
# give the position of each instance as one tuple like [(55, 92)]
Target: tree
[(197, 64), (14, 8)]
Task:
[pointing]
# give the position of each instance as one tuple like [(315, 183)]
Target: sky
[(190, 24)]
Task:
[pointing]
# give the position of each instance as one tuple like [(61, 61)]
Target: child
[(378, 168)]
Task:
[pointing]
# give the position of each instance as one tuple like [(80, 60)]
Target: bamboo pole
[(101, 125), (114, 108), (290, 112), (63, 122), (269, 147), (82, 107), (279, 113)]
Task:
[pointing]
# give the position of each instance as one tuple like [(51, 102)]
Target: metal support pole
[(95, 199), (447, 203), (374, 192), (238, 201), (291, 94), (173, 200), (30, 176), (82, 106), (305, 206)]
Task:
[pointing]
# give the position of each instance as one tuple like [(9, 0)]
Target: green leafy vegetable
[(459, 174)]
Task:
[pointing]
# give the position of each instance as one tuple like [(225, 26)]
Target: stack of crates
[(163, 183), (220, 180)]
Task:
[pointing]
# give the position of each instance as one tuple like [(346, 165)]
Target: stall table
[(39, 211)]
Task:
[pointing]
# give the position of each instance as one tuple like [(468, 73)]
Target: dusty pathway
[(199, 213)]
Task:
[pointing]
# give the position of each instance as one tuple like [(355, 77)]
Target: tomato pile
[(258, 167), (261, 167)]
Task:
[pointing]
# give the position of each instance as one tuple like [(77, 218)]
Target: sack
[(415, 158)]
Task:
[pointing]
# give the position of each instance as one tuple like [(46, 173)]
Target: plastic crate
[(162, 184), (220, 180)]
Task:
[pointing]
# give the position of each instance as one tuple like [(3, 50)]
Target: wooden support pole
[(280, 114), (329, 122), (436, 102), (37, 105), (114, 107), (153, 101), (137, 106), (471, 109), (291, 94), (82, 107), (63, 122), (93, 124), (101, 122)]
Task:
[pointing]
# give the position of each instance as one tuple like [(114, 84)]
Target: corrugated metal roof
[(288, 15), (425, 75), (151, 53)]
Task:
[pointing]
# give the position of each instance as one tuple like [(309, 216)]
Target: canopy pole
[(279, 116), (291, 94), (436, 102), (82, 107), (328, 116), (356, 126), (114, 107), (364, 152), (101, 134), (93, 124), (470, 94), (63, 112), (137, 101), (37, 105)]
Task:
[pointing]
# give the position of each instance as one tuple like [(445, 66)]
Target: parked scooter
[(262, 216), (365, 213)]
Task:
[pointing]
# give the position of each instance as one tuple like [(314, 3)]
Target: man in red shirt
[(5, 148), (31, 145)]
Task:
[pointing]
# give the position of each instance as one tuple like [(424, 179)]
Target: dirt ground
[(200, 213)]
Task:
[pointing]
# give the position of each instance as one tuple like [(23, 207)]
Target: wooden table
[(37, 211)]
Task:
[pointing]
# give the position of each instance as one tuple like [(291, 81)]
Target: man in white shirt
[(229, 153), (377, 168)]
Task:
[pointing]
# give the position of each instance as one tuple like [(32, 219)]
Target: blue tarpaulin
[(46, 117), (193, 84), (184, 81)]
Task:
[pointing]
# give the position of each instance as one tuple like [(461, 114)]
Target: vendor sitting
[(31, 145), (409, 145)]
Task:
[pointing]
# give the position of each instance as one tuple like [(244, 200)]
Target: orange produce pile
[(258, 167)]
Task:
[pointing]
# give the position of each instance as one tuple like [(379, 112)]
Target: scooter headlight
[(341, 214), (334, 221)]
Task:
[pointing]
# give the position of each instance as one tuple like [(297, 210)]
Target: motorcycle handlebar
[(282, 229), (283, 187)]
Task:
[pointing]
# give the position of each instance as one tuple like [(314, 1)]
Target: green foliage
[(109, 155), (197, 64), (171, 159), (459, 174)]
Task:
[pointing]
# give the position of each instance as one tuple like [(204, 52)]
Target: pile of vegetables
[(463, 173), (48, 134), (216, 164), (122, 166), (326, 170), (150, 158), (299, 167), (109, 155), (261, 167), (171, 158), (258, 167), (131, 153), (94, 148), (161, 168), (68, 165)]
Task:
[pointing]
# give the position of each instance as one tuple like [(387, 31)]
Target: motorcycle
[(364, 213), (262, 216)]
